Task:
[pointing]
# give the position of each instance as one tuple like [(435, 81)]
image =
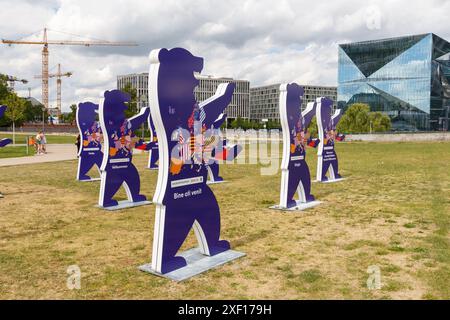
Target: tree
[(256, 125), (15, 111), (355, 119), (273, 124), (71, 116), (32, 112), (379, 122), (359, 119), (4, 90), (312, 128), (237, 123), (132, 104)]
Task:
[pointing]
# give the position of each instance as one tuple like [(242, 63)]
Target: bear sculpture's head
[(176, 84), (114, 106), (87, 114)]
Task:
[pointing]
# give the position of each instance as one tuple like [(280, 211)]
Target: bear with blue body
[(220, 151), (327, 123), (4, 142), (153, 153), (117, 167), (295, 170), (90, 152), (182, 197)]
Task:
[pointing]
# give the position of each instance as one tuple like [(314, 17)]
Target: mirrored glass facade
[(407, 78)]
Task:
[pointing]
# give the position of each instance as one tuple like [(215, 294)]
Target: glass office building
[(407, 78)]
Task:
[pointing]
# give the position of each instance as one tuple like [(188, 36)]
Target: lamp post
[(43, 118), (265, 121)]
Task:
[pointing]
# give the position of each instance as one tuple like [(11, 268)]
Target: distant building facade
[(239, 106), (138, 81), (406, 78), (240, 102), (264, 100)]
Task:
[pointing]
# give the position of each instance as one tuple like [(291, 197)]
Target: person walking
[(44, 143), (78, 144), (38, 140)]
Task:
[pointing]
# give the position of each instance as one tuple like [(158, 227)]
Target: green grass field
[(15, 152), (21, 151), (392, 212), (21, 138)]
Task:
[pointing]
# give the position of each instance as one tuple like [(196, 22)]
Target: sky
[(262, 41)]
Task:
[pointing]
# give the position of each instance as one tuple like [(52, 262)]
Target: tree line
[(19, 109), (357, 119)]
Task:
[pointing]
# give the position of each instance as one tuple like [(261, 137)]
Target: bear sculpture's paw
[(220, 246), (291, 204), (110, 203), (84, 178), (173, 264), (139, 198)]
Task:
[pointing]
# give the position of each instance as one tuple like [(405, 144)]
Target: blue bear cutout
[(90, 152), (119, 139), (6, 141), (153, 154), (327, 157), (182, 197), (220, 150), (295, 170)]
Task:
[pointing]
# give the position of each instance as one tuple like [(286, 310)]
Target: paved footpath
[(55, 152)]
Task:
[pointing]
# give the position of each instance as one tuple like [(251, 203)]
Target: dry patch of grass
[(392, 212)]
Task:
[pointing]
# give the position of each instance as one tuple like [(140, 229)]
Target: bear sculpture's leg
[(326, 165), (131, 178), (214, 167), (111, 183), (334, 165), (207, 225), (306, 182), (99, 160), (86, 163), (294, 179), (154, 159), (176, 228)]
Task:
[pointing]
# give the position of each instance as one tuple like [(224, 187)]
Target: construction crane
[(12, 80), (58, 75), (45, 42)]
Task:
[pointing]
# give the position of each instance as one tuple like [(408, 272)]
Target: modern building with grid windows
[(264, 100), (406, 78), (138, 81), (239, 106)]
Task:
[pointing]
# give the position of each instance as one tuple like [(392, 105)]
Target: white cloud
[(262, 41)]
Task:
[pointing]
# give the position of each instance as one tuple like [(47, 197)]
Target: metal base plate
[(153, 168), (196, 263), (125, 204), (215, 182), (299, 207), (90, 180), (330, 181)]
